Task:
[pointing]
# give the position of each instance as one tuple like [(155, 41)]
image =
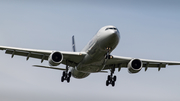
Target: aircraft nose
[(108, 37), (114, 34)]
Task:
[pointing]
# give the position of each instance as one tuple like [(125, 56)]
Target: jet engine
[(55, 58), (135, 65)]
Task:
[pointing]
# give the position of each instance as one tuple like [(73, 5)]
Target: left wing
[(73, 57), (121, 62)]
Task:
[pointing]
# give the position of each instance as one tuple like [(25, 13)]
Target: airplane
[(95, 57)]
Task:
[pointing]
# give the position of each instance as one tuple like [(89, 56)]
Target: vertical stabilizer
[(73, 44)]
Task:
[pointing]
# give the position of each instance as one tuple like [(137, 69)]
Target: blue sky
[(149, 29)]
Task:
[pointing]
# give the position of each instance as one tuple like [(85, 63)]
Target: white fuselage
[(106, 38)]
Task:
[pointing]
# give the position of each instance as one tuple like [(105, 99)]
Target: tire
[(68, 79), (64, 73), (62, 79), (113, 83), (115, 78), (107, 82), (69, 74)]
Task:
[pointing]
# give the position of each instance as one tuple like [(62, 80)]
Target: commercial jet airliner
[(95, 57)]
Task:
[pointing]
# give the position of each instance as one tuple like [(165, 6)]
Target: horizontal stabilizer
[(49, 67), (103, 72)]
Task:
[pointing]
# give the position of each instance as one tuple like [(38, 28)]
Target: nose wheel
[(111, 79)]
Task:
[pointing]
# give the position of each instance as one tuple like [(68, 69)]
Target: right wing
[(73, 57)]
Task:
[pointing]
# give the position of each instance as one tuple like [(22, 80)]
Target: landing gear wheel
[(107, 82), (66, 76), (109, 77), (114, 78), (62, 79), (69, 74), (64, 73), (68, 79), (113, 83)]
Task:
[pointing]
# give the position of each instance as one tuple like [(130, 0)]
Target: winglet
[(73, 44)]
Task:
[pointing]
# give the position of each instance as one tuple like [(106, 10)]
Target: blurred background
[(150, 29)]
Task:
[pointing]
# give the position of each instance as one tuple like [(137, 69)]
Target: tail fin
[(73, 44)]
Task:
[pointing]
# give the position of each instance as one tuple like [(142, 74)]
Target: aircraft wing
[(122, 62), (74, 57)]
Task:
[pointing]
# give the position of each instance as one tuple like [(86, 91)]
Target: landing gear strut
[(108, 56), (111, 79), (66, 75)]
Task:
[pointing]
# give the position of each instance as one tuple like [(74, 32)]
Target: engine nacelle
[(135, 65), (55, 58)]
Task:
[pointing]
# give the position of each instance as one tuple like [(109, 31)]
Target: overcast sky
[(149, 29)]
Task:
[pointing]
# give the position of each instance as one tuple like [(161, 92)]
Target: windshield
[(111, 28)]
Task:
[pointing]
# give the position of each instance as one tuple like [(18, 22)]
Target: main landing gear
[(65, 75), (111, 79)]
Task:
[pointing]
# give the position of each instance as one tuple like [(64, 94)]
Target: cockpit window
[(111, 28)]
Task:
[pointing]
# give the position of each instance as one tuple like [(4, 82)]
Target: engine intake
[(135, 65), (55, 58)]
